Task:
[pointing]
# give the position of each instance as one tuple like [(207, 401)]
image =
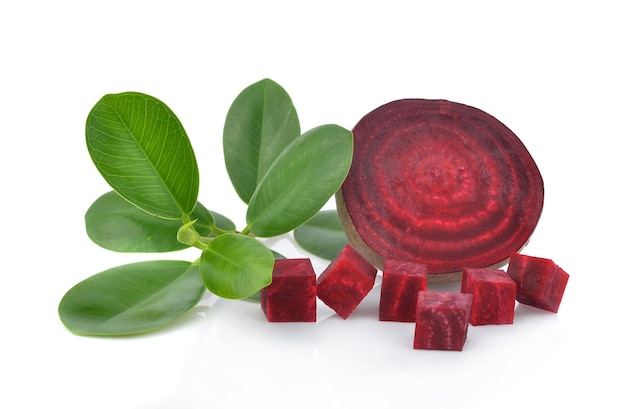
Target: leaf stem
[(217, 231), (246, 230)]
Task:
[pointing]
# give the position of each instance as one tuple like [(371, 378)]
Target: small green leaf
[(115, 224), (141, 149), (188, 235), (322, 236), (277, 255), (260, 123), (236, 266), (300, 181), (221, 222), (132, 298), (205, 219)]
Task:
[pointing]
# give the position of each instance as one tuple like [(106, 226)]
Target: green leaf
[(141, 149), (256, 297), (221, 222), (115, 224), (277, 255), (260, 123), (132, 298), (236, 266), (300, 181), (205, 219), (322, 236)]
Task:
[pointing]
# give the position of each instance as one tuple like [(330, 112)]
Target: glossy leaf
[(115, 224), (236, 266), (142, 151), (132, 298), (322, 236), (256, 297), (221, 222), (260, 124), (300, 181)]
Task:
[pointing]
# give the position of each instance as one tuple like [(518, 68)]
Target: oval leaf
[(322, 236), (236, 266), (132, 298), (260, 124), (301, 181), (256, 297), (221, 222), (115, 224), (143, 152)]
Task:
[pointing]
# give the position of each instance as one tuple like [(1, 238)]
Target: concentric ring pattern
[(441, 183)]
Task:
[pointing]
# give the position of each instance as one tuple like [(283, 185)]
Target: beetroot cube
[(540, 282), (346, 281), (494, 295), (442, 320), (291, 297), (402, 280)]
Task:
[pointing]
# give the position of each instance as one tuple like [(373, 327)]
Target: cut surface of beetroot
[(291, 297), (540, 282), (346, 281), (402, 281), (439, 183), (494, 295), (442, 320)]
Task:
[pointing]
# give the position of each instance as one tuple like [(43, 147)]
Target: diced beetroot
[(346, 281), (402, 280), (540, 282), (291, 297), (439, 183), (442, 320), (494, 295)]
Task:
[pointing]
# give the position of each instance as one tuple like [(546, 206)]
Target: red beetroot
[(540, 282), (402, 280), (346, 281), (439, 183), (494, 295), (442, 320), (291, 297)]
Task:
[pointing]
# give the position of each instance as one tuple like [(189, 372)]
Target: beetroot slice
[(439, 183), (346, 281), (402, 281), (494, 295), (442, 320), (540, 282), (291, 297)]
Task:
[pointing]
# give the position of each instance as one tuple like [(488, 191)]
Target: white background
[(551, 71)]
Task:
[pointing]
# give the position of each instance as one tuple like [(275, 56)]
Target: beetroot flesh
[(291, 297), (442, 320), (439, 183), (540, 282), (346, 281), (494, 295), (402, 281)]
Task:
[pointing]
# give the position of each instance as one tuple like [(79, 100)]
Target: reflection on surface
[(241, 359)]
